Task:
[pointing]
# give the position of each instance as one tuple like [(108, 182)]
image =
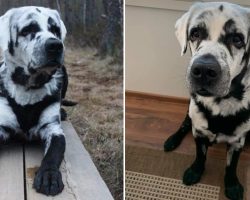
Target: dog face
[(32, 38), (218, 37)]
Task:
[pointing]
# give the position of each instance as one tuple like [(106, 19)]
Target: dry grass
[(98, 118)]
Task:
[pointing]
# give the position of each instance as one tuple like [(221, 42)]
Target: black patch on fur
[(53, 28), (8, 130), (224, 40), (32, 29), (65, 82), (246, 55), (55, 120), (233, 188), (28, 115), (174, 140), (30, 16), (229, 28), (11, 47), (48, 174), (17, 33), (221, 8), (193, 174), (204, 15), (19, 76), (223, 124), (203, 32), (38, 10)]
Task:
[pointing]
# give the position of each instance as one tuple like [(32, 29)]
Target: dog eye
[(238, 41), (29, 29), (195, 35), (55, 30)]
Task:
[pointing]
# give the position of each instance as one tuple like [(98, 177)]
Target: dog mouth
[(42, 75), (49, 68), (204, 92)]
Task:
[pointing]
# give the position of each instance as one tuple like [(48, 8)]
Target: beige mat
[(150, 187)]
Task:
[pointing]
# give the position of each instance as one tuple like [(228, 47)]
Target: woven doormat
[(150, 187), (168, 168)]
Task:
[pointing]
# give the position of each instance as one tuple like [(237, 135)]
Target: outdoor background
[(93, 58)]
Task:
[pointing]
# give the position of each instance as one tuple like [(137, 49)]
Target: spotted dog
[(31, 86), (218, 78)]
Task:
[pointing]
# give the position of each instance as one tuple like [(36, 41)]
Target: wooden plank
[(88, 181), (149, 122), (11, 172), (80, 176), (158, 97)]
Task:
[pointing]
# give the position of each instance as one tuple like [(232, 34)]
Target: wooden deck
[(81, 179)]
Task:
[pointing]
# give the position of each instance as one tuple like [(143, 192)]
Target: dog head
[(32, 39), (218, 37)]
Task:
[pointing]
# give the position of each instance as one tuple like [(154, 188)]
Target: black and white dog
[(31, 86), (218, 78)]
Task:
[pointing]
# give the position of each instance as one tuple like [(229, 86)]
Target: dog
[(218, 79), (33, 82)]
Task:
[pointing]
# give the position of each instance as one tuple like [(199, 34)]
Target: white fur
[(53, 128), (7, 118)]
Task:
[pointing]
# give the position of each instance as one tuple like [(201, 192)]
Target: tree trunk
[(112, 35), (90, 14)]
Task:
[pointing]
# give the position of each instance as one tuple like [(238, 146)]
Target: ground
[(97, 85)]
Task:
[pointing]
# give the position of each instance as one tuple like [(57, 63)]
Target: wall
[(153, 60)]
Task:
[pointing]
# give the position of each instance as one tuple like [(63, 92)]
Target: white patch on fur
[(225, 107), (229, 155), (7, 117), (199, 122), (53, 128)]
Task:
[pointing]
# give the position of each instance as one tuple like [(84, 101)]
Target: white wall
[(152, 53)]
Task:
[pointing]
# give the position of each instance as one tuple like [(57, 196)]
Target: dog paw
[(234, 192), (191, 176), (48, 182), (172, 142)]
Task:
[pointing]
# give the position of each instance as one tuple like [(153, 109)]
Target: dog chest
[(207, 124), (28, 115)]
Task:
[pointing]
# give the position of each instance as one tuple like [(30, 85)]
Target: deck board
[(80, 176), (88, 183), (11, 172)]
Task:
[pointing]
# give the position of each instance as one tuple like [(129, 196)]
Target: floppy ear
[(5, 30), (181, 28), (63, 30)]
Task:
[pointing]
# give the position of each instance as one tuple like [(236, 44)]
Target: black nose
[(53, 47), (206, 70)]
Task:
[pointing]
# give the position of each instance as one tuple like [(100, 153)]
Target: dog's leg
[(174, 140), (48, 179), (193, 174), (233, 188)]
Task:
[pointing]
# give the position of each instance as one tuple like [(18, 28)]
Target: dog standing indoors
[(218, 78), (31, 81)]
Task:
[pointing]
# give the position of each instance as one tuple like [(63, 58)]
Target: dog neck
[(26, 89)]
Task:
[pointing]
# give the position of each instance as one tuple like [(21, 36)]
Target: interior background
[(153, 57)]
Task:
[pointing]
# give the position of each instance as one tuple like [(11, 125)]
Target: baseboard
[(173, 99)]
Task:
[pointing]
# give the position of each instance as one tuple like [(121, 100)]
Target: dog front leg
[(193, 174), (174, 140), (233, 188), (48, 179)]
